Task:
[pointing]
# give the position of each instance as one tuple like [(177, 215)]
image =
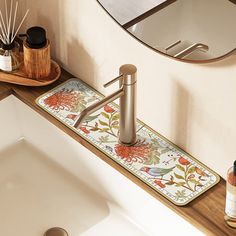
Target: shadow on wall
[(65, 45), (187, 116), (181, 113), (48, 20), (53, 25), (81, 59)]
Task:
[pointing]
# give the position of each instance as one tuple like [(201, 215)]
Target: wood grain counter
[(206, 212)]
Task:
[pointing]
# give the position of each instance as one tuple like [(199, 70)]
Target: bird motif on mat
[(156, 171)]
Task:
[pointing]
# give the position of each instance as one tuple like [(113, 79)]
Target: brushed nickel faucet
[(127, 94), (187, 51)]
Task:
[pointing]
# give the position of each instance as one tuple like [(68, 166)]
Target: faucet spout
[(96, 106), (127, 95)]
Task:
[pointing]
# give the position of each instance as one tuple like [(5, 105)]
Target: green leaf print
[(153, 158), (104, 139), (92, 99), (104, 130), (103, 123), (194, 181), (180, 167), (115, 117), (178, 176), (191, 170), (180, 184), (180, 195), (105, 115), (78, 108)]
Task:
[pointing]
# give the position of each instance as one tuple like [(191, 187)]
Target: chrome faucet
[(127, 94)]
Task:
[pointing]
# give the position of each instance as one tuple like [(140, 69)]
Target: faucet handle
[(118, 78)]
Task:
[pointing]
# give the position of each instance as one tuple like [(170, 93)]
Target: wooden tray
[(20, 77)]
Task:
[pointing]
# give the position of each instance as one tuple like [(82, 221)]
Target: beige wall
[(192, 105)]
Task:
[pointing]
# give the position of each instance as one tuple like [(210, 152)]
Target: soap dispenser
[(36, 47)]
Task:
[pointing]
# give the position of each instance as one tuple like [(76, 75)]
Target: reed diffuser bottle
[(230, 207), (10, 58)]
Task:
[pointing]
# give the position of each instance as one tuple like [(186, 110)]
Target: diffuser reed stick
[(14, 21), (22, 21), (8, 24), (2, 34), (6, 11), (4, 27)]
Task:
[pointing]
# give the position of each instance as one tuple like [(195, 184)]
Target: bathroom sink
[(35, 191), (47, 179)]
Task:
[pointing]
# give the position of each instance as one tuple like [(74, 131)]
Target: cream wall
[(192, 105)]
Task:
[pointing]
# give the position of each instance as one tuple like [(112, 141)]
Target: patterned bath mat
[(156, 161)]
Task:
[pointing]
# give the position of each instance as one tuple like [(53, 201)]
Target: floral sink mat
[(155, 160)]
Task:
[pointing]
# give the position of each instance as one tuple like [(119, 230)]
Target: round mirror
[(187, 30)]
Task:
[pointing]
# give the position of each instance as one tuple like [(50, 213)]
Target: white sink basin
[(47, 179)]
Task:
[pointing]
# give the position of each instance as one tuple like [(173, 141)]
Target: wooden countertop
[(206, 212)]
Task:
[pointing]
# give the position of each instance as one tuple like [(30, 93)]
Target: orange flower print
[(140, 152), (183, 161), (63, 100), (108, 109), (159, 183), (200, 172), (85, 130), (72, 116)]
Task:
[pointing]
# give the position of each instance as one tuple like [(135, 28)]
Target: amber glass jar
[(230, 206)]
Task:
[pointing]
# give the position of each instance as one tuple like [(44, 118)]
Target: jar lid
[(36, 37)]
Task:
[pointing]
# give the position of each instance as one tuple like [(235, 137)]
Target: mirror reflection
[(187, 30)]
